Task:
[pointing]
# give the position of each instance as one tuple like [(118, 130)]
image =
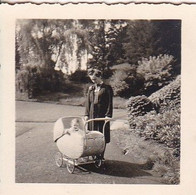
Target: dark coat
[(99, 108)]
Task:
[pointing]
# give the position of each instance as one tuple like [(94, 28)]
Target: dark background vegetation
[(139, 56)]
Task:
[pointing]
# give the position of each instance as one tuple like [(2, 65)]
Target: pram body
[(81, 147)]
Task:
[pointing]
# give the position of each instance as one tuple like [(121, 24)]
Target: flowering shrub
[(157, 72)]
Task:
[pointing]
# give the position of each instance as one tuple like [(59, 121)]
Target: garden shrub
[(168, 97), (118, 83), (164, 128), (52, 80), (157, 71), (158, 116), (139, 106), (27, 80), (79, 76), (34, 80), (126, 83)]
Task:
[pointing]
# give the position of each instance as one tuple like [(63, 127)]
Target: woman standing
[(99, 103)]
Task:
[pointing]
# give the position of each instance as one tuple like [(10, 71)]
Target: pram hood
[(58, 129)]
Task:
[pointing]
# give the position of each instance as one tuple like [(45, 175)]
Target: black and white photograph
[(98, 101)]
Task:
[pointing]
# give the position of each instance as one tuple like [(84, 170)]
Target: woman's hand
[(107, 119), (86, 118)]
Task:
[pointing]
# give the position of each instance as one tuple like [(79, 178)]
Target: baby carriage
[(78, 146)]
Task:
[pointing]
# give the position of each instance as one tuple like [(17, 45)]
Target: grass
[(148, 152), (68, 99)]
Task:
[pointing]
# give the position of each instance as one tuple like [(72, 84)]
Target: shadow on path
[(120, 169)]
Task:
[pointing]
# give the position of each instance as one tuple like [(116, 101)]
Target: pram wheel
[(98, 161), (59, 159), (70, 167)]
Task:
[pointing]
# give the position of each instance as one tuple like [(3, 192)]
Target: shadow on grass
[(120, 169)]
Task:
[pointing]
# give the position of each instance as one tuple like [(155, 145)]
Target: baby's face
[(76, 127)]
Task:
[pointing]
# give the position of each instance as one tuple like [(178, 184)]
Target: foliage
[(74, 51), (150, 75), (106, 42), (170, 39), (162, 125), (126, 83), (139, 106), (79, 76), (27, 80), (168, 97), (146, 38), (118, 83), (36, 39), (67, 45), (157, 72), (35, 80), (44, 42), (141, 40), (164, 128), (149, 154)]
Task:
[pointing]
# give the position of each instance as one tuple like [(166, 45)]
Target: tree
[(106, 42), (74, 52), (115, 37), (68, 44), (170, 33), (141, 40), (147, 38), (39, 40)]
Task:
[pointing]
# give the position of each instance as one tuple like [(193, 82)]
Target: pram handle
[(98, 119), (95, 119)]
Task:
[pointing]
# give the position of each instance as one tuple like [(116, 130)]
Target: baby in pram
[(75, 127), (75, 141)]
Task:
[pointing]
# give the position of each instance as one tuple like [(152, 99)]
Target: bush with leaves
[(126, 83), (162, 124), (168, 97), (34, 80), (118, 83), (52, 80), (157, 71), (27, 80), (139, 106), (164, 128), (79, 76)]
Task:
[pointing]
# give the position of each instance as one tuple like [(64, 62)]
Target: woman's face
[(95, 76)]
